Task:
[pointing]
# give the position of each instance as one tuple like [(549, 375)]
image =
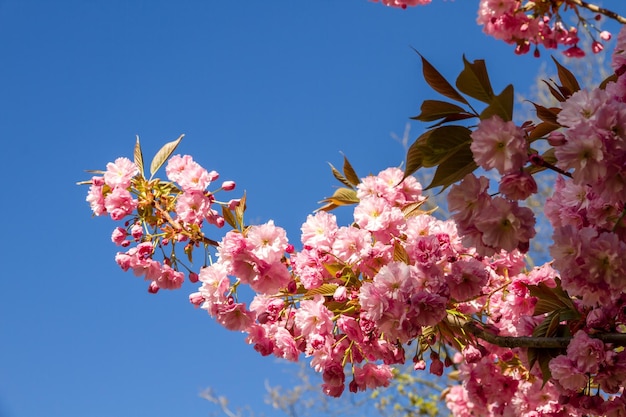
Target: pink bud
[(228, 185), (605, 36), (419, 365), (193, 277), (574, 52), (118, 236), (596, 47), (97, 181), (341, 294), (233, 204), (136, 231), (213, 175), (196, 299), (290, 248), (556, 139), (219, 222), (153, 288)]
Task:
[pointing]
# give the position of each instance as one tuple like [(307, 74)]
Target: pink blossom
[(506, 225), (118, 236), (314, 318), (120, 203), (234, 316), (499, 144), (372, 376), (95, 198), (192, 207), (466, 279), (566, 374), (518, 185), (319, 231), (170, 279), (267, 242), (120, 173), (187, 173)]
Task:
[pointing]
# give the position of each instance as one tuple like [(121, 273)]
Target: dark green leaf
[(568, 80), (542, 129), (555, 93), (414, 155), (228, 216), (325, 290), (501, 105), (474, 81), (435, 110), (547, 114), (438, 83), (454, 169), (163, 155)]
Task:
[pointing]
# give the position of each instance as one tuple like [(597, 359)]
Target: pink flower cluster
[(527, 23), (159, 214)]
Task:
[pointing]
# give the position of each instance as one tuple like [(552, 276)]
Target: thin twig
[(597, 9)]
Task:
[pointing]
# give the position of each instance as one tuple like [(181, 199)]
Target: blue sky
[(266, 93)]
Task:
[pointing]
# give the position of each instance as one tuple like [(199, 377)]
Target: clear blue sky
[(267, 93)]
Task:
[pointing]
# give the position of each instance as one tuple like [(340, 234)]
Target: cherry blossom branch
[(601, 10), (618, 339)]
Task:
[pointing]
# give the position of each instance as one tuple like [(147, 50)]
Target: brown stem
[(618, 339), (600, 10)]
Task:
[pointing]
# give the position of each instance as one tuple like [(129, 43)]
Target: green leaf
[(350, 173), (454, 168), (339, 176), (568, 80), (501, 105), (542, 129), (228, 216), (240, 210), (555, 93), (325, 290), (438, 83), (414, 155), (434, 110), (547, 115), (443, 142), (138, 157), (400, 254), (163, 155), (342, 197), (474, 81)]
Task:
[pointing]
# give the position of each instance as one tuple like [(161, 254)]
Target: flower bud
[(196, 299), (228, 185), (153, 288), (193, 277)]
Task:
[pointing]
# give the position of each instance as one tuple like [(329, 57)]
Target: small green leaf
[(542, 129), (568, 80), (342, 197), (350, 173), (547, 114), (610, 78), (555, 93), (326, 290), (400, 254), (139, 157), (438, 83), (474, 81), (454, 168), (228, 216), (240, 210), (501, 105), (434, 110), (163, 155)]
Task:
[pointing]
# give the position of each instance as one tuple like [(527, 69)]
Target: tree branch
[(618, 339), (597, 9)]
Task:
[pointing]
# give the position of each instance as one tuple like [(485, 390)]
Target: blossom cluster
[(157, 215), (400, 283), (529, 23)]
